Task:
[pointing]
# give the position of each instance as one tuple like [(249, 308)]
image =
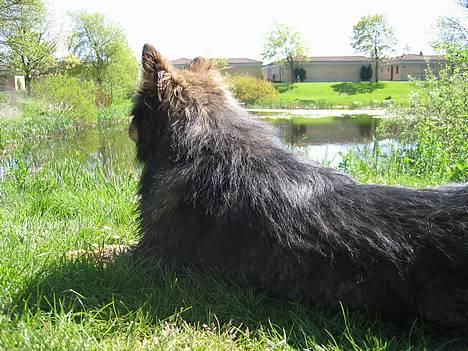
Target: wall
[(416, 70), (254, 70), (7, 83), (319, 71), (11, 83), (334, 71)]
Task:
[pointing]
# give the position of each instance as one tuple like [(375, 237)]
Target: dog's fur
[(218, 190)]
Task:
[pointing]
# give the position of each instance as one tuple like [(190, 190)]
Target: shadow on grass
[(353, 88), (125, 290), (284, 87)]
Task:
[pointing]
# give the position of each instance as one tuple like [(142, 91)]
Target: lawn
[(340, 94), (51, 301)]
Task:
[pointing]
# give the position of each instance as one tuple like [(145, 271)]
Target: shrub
[(436, 121), (300, 73), (366, 73), (363, 74), (369, 72), (432, 130), (250, 90), (67, 95)]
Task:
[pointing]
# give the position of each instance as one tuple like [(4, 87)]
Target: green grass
[(339, 94), (49, 301), (23, 118)]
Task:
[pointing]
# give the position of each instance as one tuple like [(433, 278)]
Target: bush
[(369, 72), (436, 121), (250, 90), (66, 95), (432, 130), (363, 74), (300, 73), (366, 73)]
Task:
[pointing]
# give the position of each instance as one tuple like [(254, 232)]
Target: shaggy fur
[(219, 191)]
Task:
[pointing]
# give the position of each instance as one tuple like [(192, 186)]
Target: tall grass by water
[(49, 300)]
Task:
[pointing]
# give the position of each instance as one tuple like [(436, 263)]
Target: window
[(381, 69), (397, 69)]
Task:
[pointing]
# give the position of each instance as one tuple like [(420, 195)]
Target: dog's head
[(169, 98)]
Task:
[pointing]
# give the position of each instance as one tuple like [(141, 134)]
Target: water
[(324, 139), (319, 139)]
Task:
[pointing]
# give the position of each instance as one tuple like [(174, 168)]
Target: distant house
[(181, 63), (11, 81), (348, 68), (320, 69), (415, 66), (234, 66)]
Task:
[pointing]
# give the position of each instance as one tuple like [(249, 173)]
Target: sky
[(237, 28)]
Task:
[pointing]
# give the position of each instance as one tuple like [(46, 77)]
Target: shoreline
[(306, 113)]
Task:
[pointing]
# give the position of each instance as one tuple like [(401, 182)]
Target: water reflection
[(330, 130), (323, 139), (319, 139)]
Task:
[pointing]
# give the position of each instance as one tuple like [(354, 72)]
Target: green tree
[(104, 53), (284, 44), (27, 43), (219, 63), (373, 36), (436, 120), (453, 31), (11, 10)]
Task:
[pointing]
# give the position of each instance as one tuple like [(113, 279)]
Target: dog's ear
[(156, 69), (199, 64)]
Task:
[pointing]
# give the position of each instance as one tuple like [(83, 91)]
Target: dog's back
[(217, 190)]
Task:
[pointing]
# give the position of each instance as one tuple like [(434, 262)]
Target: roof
[(418, 58), (230, 61), (329, 59), (4, 70), (237, 60), (181, 61), (336, 59)]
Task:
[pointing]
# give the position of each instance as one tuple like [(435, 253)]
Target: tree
[(219, 63), (300, 72), (104, 53), (27, 42), (284, 44), (369, 73), (363, 73), (453, 30), (373, 36), (11, 10)]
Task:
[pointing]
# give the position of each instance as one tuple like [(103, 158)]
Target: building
[(348, 68), (320, 69), (234, 66), (414, 66), (11, 81)]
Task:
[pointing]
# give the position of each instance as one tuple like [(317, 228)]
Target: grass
[(51, 301), (23, 118), (339, 94)]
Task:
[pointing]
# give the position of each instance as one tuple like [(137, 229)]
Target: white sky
[(236, 28)]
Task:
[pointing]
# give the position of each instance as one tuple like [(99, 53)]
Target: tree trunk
[(376, 70), (293, 77), (27, 83)]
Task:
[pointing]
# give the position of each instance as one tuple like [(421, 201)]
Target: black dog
[(217, 190)]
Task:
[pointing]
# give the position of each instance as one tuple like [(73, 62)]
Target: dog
[(219, 191)]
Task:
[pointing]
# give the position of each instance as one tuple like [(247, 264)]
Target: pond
[(324, 139), (319, 139)]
